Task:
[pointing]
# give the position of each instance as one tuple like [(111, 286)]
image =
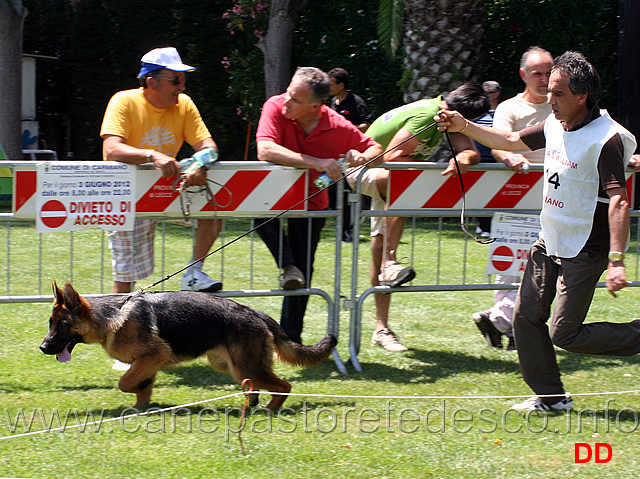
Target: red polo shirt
[(333, 137)]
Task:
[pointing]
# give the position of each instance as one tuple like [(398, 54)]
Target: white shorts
[(132, 251), (369, 187)]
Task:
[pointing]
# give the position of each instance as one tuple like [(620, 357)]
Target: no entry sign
[(502, 258), (514, 234), (73, 195), (53, 214)]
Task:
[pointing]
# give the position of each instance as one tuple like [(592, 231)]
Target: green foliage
[(588, 26), (99, 44), (343, 34), (247, 23), (390, 26)]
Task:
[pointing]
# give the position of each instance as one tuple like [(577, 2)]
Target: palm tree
[(442, 46), (442, 42)]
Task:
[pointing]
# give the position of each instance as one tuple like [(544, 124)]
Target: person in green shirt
[(398, 127)]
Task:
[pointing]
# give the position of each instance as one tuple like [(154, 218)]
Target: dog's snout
[(48, 348)]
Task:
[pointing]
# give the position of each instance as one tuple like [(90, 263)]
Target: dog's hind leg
[(262, 377), (221, 363), (254, 360), (272, 383)]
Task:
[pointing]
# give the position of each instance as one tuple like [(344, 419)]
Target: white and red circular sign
[(502, 258), (53, 214)]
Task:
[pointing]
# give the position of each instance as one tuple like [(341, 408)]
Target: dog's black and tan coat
[(152, 331)]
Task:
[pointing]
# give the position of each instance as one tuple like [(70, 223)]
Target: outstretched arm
[(453, 122)]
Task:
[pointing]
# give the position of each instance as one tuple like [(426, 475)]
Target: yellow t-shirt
[(132, 117)]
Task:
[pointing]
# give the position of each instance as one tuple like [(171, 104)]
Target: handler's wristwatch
[(615, 256)]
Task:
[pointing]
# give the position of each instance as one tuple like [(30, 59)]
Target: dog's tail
[(297, 354)]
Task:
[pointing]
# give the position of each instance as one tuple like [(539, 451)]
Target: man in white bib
[(585, 228)]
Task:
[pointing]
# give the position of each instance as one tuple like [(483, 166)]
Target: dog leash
[(246, 383), (344, 176), (464, 196)]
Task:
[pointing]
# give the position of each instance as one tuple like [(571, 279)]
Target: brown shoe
[(292, 278), (385, 338), (395, 274)]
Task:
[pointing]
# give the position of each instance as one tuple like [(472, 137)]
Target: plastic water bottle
[(205, 157), (323, 180)]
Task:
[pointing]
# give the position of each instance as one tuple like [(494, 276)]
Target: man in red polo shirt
[(297, 129)]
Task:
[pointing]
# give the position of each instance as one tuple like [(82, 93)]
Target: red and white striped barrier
[(492, 189), (237, 187), (257, 187), (428, 189)]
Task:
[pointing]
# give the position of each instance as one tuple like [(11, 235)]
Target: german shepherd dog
[(152, 331)]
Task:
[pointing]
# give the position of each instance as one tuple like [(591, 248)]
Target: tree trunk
[(277, 44), (12, 15), (443, 49), (443, 45)]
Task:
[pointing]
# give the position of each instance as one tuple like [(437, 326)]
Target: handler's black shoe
[(488, 330)]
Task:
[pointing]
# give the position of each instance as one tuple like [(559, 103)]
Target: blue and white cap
[(163, 58)]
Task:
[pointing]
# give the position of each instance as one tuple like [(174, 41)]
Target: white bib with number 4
[(571, 181)]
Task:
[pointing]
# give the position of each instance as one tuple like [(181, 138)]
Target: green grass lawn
[(438, 410)]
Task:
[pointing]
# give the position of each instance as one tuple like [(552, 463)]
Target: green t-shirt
[(413, 116)]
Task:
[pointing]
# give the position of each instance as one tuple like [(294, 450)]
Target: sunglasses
[(174, 81)]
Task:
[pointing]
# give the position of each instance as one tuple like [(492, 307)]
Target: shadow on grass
[(432, 364), (571, 362), (436, 365), (203, 375), (19, 389)]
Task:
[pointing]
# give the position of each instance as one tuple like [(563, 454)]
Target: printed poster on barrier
[(514, 234), (74, 195)]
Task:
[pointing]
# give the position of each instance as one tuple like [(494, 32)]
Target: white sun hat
[(163, 58)]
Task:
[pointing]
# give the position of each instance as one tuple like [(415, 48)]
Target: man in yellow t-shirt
[(149, 125)]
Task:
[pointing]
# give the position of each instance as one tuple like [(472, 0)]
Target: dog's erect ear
[(58, 296), (71, 296)]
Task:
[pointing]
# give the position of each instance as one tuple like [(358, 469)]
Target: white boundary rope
[(343, 396)]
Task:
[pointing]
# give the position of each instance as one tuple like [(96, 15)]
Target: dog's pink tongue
[(64, 356)]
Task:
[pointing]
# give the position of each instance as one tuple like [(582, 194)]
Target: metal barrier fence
[(242, 190), (420, 192)]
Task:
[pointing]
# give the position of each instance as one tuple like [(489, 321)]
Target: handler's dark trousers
[(302, 235), (571, 283)]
